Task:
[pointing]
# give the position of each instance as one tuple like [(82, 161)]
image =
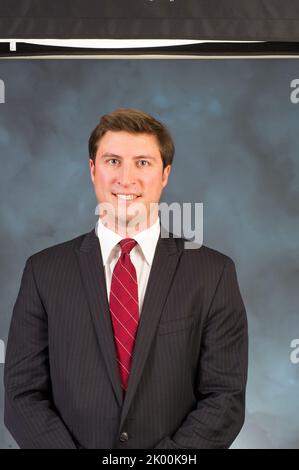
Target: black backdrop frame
[(223, 20)]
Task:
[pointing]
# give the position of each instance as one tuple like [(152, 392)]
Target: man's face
[(128, 164)]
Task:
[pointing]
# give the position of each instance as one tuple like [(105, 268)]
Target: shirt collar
[(147, 240)]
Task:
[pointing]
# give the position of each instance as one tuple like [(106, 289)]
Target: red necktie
[(124, 310)]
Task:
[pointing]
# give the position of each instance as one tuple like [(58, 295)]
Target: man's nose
[(127, 174)]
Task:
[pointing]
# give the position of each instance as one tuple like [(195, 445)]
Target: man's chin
[(133, 217)]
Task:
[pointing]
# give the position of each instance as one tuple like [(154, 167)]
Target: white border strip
[(152, 56), (112, 43)]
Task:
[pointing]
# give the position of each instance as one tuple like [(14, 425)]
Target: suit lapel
[(94, 281)]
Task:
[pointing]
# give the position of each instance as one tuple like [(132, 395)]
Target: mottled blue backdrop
[(237, 151)]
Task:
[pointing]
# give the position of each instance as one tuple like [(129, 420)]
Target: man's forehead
[(129, 137), (129, 145)]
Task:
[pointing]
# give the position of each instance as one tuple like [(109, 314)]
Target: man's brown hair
[(133, 121)]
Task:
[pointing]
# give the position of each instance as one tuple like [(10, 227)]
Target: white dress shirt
[(141, 255)]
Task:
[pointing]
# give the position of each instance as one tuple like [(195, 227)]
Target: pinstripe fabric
[(188, 377)]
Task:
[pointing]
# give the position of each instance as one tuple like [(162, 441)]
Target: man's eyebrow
[(113, 155)]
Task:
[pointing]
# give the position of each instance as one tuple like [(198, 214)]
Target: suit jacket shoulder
[(51, 265), (60, 248), (206, 257)]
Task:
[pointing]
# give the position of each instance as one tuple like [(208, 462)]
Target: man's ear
[(166, 173), (92, 169)]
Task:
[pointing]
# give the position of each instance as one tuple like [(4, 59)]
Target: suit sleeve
[(221, 374), (29, 413)]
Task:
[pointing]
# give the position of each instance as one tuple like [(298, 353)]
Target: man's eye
[(143, 161), (112, 160)]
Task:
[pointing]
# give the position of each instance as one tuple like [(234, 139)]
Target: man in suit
[(122, 338)]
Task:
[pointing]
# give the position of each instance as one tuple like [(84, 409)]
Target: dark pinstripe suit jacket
[(187, 383)]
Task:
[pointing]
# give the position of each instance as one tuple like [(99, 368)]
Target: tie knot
[(127, 244)]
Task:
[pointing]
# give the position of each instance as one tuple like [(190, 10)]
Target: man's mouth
[(126, 197)]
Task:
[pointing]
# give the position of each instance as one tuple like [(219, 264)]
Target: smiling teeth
[(126, 196)]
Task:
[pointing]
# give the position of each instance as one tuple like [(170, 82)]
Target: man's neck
[(129, 231)]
